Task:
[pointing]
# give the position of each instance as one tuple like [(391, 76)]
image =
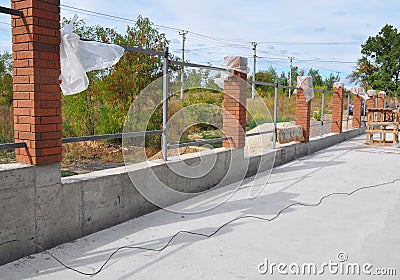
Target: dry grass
[(6, 124), (86, 152)]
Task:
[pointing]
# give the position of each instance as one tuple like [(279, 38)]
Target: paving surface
[(361, 229)]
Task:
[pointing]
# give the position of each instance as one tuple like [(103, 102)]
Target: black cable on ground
[(210, 234)]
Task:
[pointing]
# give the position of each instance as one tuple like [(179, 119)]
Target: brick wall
[(36, 68), (337, 108), (303, 117)]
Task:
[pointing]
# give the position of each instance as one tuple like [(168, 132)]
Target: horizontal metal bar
[(322, 91), (257, 83), (140, 50), (180, 63), (285, 87), (10, 146), (131, 49), (5, 10), (197, 143), (259, 133), (110, 136)]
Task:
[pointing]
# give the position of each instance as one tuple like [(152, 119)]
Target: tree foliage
[(270, 76), (102, 108), (379, 66), (6, 91)]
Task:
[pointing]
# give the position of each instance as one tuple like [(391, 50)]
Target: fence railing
[(165, 146)]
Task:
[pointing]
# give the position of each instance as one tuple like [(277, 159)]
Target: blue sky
[(284, 28)]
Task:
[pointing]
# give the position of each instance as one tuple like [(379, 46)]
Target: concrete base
[(37, 207)]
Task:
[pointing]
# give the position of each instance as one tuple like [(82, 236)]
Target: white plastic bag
[(338, 85), (231, 63), (78, 57), (360, 92), (305, 83)]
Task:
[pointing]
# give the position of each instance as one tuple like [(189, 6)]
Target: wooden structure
[(382, 121)]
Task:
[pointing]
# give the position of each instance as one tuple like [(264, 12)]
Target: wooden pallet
[(382, 121)]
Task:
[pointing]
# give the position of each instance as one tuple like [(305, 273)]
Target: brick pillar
[(36, 68), (303, 117), (234, 116), (371, 100), (381, 99), (337, 108), (357, 111)]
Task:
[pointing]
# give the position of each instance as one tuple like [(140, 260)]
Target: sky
[(324, 35)]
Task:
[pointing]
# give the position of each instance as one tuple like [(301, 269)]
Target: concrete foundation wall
[(37, 208)]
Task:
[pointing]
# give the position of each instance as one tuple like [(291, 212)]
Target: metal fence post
[(275, 114), (348, 111), (322, 113), (164, 137)]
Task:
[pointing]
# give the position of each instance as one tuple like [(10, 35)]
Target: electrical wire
[(314, 43), (104, 15), (219, 42), (167, 244), (326, 61)]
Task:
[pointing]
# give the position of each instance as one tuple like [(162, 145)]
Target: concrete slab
[(357, 229)]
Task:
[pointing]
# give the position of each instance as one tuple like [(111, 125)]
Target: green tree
[(316, 77), (135, 71), (379, 66), (102, 108), (328, 81), (266, 76), (6, 90)]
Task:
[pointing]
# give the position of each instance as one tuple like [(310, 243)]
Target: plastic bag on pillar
[(305, 83), (360, 92), (338, 85), (78, 57), (231, 63)]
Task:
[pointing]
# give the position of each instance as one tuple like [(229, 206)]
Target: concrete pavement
[(361, 229)]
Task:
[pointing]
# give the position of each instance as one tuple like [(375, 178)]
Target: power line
[(290, 75), (183, 34), (253, 86), (221, 43), (313, 43), (327, 61), (115, 17)]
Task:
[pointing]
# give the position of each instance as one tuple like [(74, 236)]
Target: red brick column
[(234, 116), (303, 117), (381, 99), (357, 111), (36, 68), (337, 108), (371, 100)]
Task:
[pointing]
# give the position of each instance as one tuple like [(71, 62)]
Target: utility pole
[(338, 75), (183, 34), (253, 87), (290, 75)]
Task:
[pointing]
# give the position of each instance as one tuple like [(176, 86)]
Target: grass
[(7, 156), (68, 173), (102, 152)]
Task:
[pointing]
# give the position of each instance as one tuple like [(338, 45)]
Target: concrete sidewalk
[(357, 229)]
